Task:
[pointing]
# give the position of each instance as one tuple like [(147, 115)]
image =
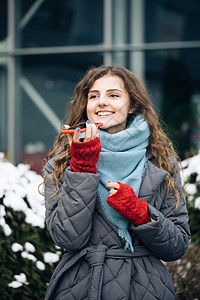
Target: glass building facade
[(47, 46)]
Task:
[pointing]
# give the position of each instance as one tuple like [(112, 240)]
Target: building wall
[(46, 47)]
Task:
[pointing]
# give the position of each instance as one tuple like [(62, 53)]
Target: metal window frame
[(107, 48)]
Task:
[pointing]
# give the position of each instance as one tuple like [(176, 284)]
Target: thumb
[(69, 135)]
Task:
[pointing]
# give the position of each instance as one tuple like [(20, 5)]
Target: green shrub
[(28, 254), (185, 272)]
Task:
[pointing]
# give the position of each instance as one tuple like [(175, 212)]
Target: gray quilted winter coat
[(95, 265)]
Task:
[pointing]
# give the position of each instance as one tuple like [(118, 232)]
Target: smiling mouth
[(104, 113)]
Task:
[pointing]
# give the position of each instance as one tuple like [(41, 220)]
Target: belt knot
[(96, 256)]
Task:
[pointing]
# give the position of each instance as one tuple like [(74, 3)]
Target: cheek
[(89, 109), (124, 110)]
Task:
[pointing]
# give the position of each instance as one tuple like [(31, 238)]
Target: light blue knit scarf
[(123, 159)]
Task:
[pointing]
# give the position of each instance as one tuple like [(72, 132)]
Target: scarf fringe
[(127, 238)]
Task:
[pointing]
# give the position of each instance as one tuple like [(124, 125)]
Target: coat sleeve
[(167, 235), (69, 214)]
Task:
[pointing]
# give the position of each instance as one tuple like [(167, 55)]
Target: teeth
[(106, 113)]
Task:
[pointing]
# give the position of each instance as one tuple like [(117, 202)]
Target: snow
[(16, 247), (24, 254), (18, 182), (7, 229), (40, 265), (191, 165), (50, 257), (2, 211), (15, 284), (5, 226), (197, 203), (20, 280), (29, 247), (191, 188)]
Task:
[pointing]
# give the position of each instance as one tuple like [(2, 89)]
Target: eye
[(114, 95), (93, 96)]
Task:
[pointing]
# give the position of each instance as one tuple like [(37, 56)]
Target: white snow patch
[(20, 280), (7, 229), (28, 256), (15, 284), (15, 201), (191, 188), (16, 247), (50, 257), (2, 212), (18, 182), (197, 203), (191, 165), (40, 265), (29, 247)]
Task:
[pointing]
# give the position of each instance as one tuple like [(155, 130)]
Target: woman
[(113, 198)]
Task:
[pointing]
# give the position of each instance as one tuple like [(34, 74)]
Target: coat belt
[(96, 257)]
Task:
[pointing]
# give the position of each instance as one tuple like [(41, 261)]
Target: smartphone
[(82, 127)]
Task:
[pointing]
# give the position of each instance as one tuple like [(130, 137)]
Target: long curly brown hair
[(159, 143)]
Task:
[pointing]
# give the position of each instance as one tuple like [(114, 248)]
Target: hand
[(85, 154), (114, 187), (124, 200), (91, 133)]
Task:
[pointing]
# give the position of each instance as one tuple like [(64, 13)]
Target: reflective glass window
[(3, 107), (59, 23), (155, 21), (169, 21), (173, 80), (3, 76), (46, 86)]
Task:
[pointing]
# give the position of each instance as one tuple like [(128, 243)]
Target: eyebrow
[(110, 90)]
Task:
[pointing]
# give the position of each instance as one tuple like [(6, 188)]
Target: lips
[(104, 113)]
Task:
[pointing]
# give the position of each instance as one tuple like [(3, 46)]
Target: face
[(109, 103)]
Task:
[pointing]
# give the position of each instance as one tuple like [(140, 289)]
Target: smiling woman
[(113, 198), (109, 102)]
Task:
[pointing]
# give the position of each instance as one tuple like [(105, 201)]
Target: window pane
[(174, 83), (47, 83), (59, 23), (3, 109), (3, 19), (168, 21), (153, 21)]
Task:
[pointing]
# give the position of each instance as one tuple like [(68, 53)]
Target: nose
[(103, 101)]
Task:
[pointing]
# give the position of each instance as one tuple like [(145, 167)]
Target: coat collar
[(152, 178)]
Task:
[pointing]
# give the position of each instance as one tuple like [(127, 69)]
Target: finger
[(112, 192), (69, 136), (113, 185), (98, 130), (88, 132), (76, 135), (93, 131)]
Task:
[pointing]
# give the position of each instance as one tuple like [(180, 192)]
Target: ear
[(131, 110)]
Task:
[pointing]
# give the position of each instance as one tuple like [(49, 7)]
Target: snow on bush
[(191, 175), (17, 183), (28, 254)]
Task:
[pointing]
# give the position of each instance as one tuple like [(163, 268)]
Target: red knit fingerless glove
[(129, 205), (84, 156)]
